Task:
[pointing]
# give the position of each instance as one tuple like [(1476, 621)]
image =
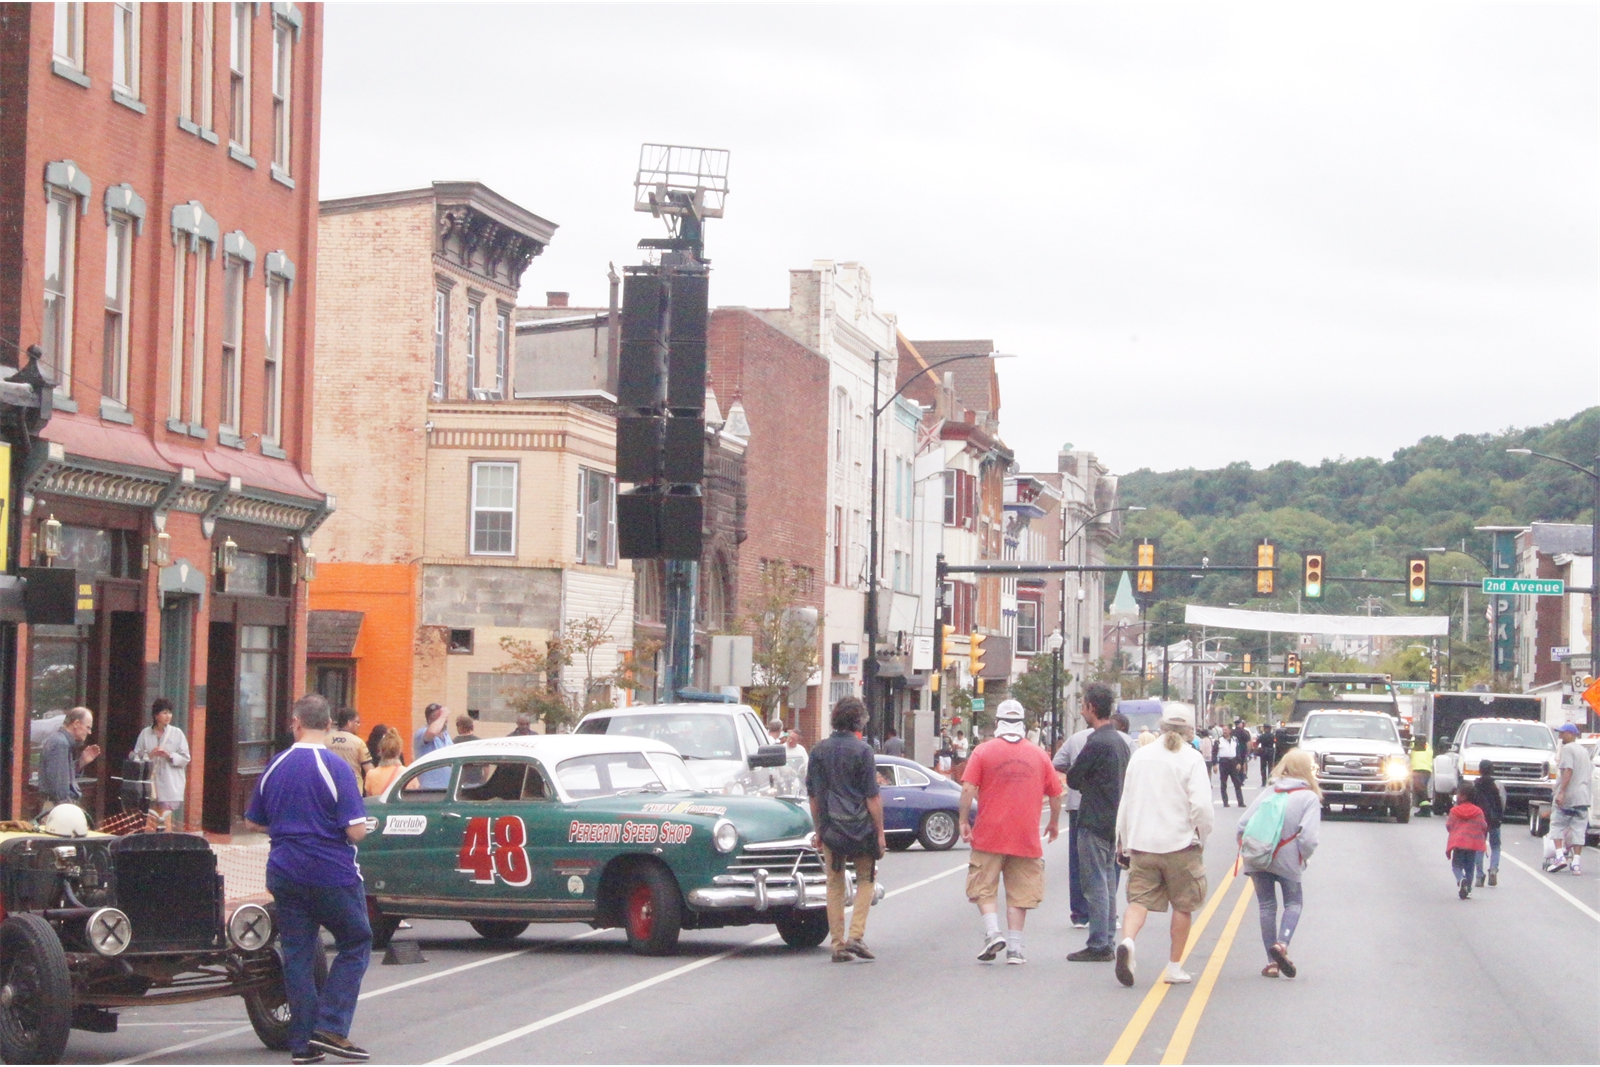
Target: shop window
[(258, 574), (101, 553), (336, 683), (261, 661)]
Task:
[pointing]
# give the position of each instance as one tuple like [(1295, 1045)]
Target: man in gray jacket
[(60, 759)]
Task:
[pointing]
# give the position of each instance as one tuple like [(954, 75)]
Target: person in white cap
[(1162, 826), (1012, 775)]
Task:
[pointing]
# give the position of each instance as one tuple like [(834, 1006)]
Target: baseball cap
[(1177, 714), (1008, 720), (1567, 728)]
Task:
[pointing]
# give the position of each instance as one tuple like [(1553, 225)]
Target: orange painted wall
[(386, 594)]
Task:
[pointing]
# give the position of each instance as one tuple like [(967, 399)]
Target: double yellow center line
[(1178, 1047)]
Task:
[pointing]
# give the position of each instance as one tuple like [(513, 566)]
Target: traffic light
[(1433, 676), (1144, 581), (1247, 663), (975, 653), (1266, 557), (949, 652), (1311, 575), (1291, 663), (1417, 580)]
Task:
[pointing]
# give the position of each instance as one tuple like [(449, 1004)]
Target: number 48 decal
[(501, 854)]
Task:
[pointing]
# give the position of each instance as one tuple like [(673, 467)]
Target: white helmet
[(65, 820)]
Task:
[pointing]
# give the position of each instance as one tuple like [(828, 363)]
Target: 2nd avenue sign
[(1525, 586)]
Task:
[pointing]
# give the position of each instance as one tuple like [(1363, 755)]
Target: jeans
[(1266, 768), (1079, 902), (1494, 852), (1267, 884), (1463, 861), (866, 873), (1233, 770), (1100, 876), (302, 910)]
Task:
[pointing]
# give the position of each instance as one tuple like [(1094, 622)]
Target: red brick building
[(781, 388), (158, 213)]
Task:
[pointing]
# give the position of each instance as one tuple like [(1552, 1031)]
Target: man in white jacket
[(1162, 825)]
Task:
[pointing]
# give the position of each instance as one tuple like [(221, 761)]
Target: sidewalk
[(243, 866)]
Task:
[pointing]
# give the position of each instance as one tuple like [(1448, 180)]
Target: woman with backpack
[(1277, 835)]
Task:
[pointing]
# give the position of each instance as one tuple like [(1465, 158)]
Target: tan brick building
[(466, 515)]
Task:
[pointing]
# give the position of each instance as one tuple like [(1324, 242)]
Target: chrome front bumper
[(764, 890)]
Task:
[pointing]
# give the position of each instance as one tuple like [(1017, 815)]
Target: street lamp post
[(1054, 644), (869, 667), (1594, 548)]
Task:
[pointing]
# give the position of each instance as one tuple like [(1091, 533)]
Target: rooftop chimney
[(555, 300)]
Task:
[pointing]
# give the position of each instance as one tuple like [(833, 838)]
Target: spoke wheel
[(938, 831), (35, 992), (268, 1008)]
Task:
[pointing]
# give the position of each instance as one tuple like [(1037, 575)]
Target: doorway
[(222, 686)]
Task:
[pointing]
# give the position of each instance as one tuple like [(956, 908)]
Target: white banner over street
[(1349, 625)]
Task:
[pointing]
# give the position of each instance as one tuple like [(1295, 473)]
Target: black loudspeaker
[(684, 458), (682, 512), (686, 357), (639, 523), (639, 362), (52, 596), (639, 447)]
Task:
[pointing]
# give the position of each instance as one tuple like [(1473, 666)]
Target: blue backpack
[(1263, 834)]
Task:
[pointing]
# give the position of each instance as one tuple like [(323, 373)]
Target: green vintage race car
[(606, 830)]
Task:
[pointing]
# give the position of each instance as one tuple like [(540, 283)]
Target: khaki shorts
[(1024, 878), (1155, 878)]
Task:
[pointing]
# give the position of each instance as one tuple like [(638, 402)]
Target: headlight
[(726, 835), (1397, 770), (109, 931), (250, 927)]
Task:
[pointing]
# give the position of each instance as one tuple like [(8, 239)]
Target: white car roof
[(669, 709), (547, 747), (1501, 718), (1349, 711)]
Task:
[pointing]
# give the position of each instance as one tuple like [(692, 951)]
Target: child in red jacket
[(1469, 837)]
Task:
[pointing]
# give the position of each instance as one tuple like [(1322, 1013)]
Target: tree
[(1032, 689), (784, 633), (542, 698)]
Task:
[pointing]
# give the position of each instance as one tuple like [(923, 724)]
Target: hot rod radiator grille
[(173, 897)]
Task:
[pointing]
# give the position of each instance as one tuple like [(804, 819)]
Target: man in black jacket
[(1266, 750), (1097, 774), (842, 781)]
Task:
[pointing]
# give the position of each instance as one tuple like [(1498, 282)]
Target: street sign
[(977, 703), (1526, 586), (1559, 653)]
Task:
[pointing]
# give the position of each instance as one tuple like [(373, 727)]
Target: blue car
[(918, 805)]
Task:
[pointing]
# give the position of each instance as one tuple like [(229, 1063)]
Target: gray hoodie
[(1302, 816)]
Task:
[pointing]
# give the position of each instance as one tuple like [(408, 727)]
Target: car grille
[(782, 865), (1351, 766), (169, 887), (1523, 771)]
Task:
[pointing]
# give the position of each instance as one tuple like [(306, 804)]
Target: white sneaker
[(1125, 961), (1176, 975), (1557, 864), (1577, 867), (993, 945)]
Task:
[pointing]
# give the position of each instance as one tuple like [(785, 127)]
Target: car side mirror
[(769, 756)]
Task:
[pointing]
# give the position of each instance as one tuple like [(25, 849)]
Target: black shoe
[(1480, 881), (1494, 877), (334, 1045), (309, 1056), (1466, 888), (858, 948), (1091, 955)]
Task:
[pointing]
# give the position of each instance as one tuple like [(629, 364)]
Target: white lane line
[(183, 1046), (1545, 881), (628, 991), (448, 971)]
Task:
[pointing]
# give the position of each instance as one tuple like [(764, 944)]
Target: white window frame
[(441, 343), (282, 90), (195, 89), (197, 343), (277, 320), (502, 350), (125, 48), (240, 41), (119, 270), (180, 262), (232, 349), (1034, 606), (67, 46), (474, 328), (606, 538), (57, 310), (476, 508)]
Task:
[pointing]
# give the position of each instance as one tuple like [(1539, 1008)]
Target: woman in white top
[(164, 745)]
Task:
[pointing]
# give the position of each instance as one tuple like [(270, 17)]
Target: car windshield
[(1510, 735), (611, 773), (1363, 727), (696, 735)]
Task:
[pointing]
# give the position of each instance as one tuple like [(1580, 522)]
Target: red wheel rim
[(641, 913)]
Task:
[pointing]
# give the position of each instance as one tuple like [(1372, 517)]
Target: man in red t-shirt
[(1013, 776)]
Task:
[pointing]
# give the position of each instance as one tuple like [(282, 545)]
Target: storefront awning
[(332, 633)]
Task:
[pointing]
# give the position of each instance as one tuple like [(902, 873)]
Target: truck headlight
[(1397, 770), (250, 927), (725, 835), (109, 931)]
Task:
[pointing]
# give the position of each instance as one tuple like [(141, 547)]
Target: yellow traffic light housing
[(1311, 571), (1433, 676), (1144, 581), (975, 653), (1291, 663), (1417, 580), (948, 654), (1247, 663), (1266, 568)]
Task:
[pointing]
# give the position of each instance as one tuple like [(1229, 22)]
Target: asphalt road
[(1393, 968)]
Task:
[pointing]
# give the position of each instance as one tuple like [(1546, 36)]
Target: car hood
[(1471, 754), (1358, 745), (758, 818)]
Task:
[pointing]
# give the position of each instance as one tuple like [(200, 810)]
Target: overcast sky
[(1211, 233)]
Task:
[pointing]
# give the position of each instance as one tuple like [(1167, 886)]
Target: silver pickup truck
[(1524, 755)]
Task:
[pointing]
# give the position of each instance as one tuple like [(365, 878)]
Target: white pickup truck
[(1524, 756), (1360, 760)]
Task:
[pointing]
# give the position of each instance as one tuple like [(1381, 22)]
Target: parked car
[(1360, 760), (1523, 752), (606, 829), (918, 805), (725, 746), (94, 923)]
